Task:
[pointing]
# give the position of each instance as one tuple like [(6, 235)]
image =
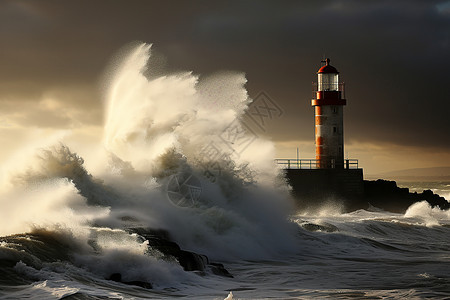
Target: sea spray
[(155, 128), (145, 117), (158, 126), (430, 216), (47, 194)]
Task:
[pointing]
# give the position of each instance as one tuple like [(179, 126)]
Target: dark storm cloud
[(393, 55)]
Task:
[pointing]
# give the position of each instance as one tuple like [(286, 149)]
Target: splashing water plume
[(430, 216), (156, 126), (146, 117)]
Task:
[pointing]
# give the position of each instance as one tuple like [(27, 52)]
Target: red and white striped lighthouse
[(329, 104)]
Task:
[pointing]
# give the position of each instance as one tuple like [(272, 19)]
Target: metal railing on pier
[(287, 163)]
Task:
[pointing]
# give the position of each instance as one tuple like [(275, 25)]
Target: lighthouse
[(328, 178), (328, 102)]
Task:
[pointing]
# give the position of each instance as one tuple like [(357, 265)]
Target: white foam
[(156, 127), (430, 216)]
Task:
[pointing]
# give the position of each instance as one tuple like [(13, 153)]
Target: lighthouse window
[(334, 110), (328, 81), (334, 129)]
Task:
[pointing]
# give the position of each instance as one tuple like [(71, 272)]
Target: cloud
[(58, 109), (391, 54)]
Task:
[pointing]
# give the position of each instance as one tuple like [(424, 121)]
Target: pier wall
[(313, 187)]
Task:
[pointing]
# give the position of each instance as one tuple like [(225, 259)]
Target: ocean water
[(175, 156), (360, 255)]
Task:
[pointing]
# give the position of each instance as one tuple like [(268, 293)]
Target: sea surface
[(175, 157), (358, 255)]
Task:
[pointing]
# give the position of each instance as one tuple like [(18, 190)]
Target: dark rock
[(345, 190), (117, 277), (219, 269), (387, 195), (319, 227), (190, 261)]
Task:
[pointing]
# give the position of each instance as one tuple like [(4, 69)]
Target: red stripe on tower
[(329, 120)]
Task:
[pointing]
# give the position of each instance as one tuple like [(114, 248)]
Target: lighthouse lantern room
[(328, 103)]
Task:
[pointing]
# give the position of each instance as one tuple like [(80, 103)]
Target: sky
[(394, 57)]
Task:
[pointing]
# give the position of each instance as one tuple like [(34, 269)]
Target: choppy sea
[(358, 255)]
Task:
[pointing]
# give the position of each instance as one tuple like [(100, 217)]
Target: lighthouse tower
[(328, 177), (329, 104)]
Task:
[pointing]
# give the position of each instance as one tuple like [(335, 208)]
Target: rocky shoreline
[(381, 194), (190, 261), (33, 250), (385, 194)]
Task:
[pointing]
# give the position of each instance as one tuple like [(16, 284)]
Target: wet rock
[(320, 227), (388, 196), (190, 261), (117, 277), (219, 269)]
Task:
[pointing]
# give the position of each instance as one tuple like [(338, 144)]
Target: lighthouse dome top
[(327, 68)]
